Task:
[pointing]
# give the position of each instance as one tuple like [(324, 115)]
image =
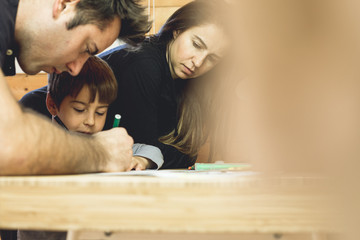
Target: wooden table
[(167, 205)]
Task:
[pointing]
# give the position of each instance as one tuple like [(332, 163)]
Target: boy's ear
[(61, 5), (51, 106)]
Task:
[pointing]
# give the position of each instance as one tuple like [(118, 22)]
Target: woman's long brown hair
[(196, 100)]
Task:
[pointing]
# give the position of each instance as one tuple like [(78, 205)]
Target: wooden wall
[(160, 10), (20, 84)]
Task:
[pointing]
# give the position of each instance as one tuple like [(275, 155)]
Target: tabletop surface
[(165, 201)]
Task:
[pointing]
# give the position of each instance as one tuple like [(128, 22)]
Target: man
[(58, 36)]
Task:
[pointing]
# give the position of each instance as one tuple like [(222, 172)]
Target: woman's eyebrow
[(204, 45), (201, 41)]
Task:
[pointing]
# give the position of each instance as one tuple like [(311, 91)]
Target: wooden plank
[(161, 11), (20, 84), (161, 15), (185, 202), (189, 236)]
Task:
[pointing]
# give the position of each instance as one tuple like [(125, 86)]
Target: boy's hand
[(118, 145), (139, 163)]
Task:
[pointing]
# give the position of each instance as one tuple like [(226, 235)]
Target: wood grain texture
[(160, 11), (20, 84), (191, 236), (187, 204)]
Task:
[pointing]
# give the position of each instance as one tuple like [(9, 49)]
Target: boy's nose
[(90, 120)]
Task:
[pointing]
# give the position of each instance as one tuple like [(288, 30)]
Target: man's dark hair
[(134, 21)]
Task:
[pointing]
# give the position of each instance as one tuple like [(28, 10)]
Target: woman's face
[(197, 50)]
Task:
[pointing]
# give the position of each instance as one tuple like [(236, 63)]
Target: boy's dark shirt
[(36, 100)]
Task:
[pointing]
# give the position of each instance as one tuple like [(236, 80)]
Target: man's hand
[(118, 145)]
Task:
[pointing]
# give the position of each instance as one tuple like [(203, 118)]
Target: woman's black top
[(148, 97)]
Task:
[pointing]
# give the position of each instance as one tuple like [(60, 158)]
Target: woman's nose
[(199, 60)]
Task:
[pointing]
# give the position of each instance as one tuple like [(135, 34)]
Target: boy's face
[(79, 115)]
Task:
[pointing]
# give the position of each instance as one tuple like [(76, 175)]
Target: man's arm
[(30, 144)]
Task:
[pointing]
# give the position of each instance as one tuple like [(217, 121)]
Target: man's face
[(57, 49)]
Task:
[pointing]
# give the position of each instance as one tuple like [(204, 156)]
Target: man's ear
[(60, 5), (51, 106)]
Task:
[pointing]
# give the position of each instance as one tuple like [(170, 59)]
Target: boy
[(80, 103)]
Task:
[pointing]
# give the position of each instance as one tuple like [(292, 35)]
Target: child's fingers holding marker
[(139, 163)]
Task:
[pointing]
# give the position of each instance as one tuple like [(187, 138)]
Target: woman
[(156, 94)]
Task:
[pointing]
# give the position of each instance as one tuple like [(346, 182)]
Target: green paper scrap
[(221, 166)]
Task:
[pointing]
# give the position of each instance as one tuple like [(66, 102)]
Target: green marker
[(116, 120), (221, 166)]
